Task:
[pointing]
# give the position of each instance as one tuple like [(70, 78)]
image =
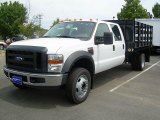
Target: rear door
[(119, 45)]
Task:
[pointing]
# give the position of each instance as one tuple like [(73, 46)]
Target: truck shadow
[(50, 98), (109, 75), (35, 98)]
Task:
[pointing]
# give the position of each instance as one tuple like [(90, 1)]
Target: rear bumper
[(41, 80)]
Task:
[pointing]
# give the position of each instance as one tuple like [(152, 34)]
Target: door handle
[(123, 46), (113, 47)]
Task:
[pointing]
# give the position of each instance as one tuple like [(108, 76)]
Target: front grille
[(24, 58), (27, 59)]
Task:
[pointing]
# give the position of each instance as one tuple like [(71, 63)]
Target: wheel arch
[(80, 59)]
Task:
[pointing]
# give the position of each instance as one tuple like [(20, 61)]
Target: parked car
[(35, 36), (18, 37), (3, 45), (72, 52)]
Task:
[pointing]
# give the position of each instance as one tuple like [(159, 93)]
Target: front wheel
[(78, 85)]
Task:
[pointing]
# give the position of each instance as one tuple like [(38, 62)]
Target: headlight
[(55, 63)]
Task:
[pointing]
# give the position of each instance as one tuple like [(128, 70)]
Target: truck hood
[(52, 44)]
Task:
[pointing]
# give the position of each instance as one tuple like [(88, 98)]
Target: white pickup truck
[(72, 52)]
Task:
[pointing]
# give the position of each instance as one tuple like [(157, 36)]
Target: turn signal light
[(55, 61)]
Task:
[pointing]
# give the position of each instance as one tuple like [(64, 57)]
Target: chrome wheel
[(81, 86), (78, 85)]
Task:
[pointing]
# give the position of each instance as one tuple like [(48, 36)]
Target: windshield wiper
[(46, 36), (65, 36)]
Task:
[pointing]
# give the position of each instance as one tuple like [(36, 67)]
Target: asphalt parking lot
[(118, 94), (1, 52)]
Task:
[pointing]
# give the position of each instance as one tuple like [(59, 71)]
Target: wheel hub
[(82, 86)]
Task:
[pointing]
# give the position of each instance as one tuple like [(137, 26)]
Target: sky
[(76, 9)]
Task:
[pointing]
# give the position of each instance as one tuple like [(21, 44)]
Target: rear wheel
[(78, 85), (142, 62), (138, 62)]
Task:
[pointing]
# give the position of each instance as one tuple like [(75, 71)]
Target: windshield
[(80, 30)]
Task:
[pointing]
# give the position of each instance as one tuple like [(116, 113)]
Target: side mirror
[(108, 38), (99, 40)]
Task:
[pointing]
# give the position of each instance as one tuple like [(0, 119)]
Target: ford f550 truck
[(71, 53)]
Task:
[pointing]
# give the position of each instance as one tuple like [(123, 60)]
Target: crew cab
[(72, 52)]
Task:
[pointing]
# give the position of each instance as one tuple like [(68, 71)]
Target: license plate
[(17, 80)]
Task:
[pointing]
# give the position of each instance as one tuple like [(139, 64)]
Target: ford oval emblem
[(19, 59)]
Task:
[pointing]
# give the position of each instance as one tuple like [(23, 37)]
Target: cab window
[(116, 32), (102, 28)]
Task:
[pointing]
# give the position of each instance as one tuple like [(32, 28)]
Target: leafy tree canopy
[(131, 10), (33, 27), (156, 10), (30, 28), (12, 15)]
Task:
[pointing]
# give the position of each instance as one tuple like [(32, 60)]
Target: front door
[(105, 53)]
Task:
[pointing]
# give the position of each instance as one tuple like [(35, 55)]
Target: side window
[(116, 32), (102, 28)]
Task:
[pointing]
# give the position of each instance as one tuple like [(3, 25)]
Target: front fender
[(74, 57)]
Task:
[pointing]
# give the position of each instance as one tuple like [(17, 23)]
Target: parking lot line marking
[(112, 90)]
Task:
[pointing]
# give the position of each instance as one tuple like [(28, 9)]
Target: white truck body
[(104, 57), (156, 28), (58, 59)]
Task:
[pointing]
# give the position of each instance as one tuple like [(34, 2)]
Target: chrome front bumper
[(32, 79)]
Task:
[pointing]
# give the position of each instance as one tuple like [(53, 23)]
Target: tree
[(31, 28), (131, 10), (156, 10), (27, 29), (55, 22), (12, 15)]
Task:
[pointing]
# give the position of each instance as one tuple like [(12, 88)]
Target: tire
[(78, 85), (141, 64), (138, 62), (20, 86), (1, 47)]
